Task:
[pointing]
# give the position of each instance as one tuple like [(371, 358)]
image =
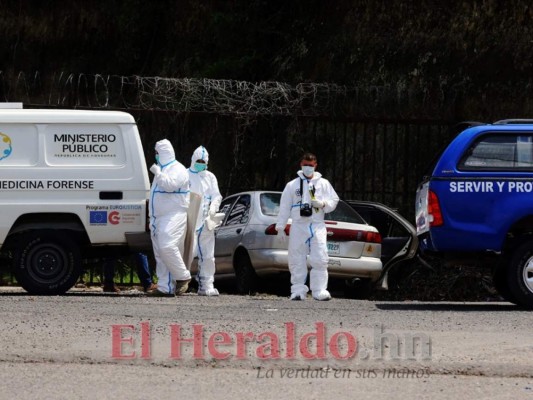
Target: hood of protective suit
[(166, 152), (199, 154), (316, 175)]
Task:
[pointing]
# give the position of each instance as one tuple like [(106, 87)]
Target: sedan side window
[(239, 214), (226, 205), (270, 203)]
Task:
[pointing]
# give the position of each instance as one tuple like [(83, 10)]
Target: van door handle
[(111, 195), (239, 230)]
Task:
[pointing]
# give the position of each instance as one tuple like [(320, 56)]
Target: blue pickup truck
[(476, 203)]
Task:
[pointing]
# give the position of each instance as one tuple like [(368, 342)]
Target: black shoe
[(182, 286), (149, 288), (158, 293), (111, 288)]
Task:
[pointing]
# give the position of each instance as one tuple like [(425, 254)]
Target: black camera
[(306, 210)]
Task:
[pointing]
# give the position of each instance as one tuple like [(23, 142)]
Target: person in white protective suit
[(306, 199), (169, 200), (205, 184)]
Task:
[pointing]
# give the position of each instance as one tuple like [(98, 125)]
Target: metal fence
[(368, 159), (376, 160)]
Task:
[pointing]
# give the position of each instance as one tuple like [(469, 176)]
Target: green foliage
[(425, 43)]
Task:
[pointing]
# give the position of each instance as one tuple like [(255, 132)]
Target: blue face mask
[(308, 170), (199, 167), (157, 158)]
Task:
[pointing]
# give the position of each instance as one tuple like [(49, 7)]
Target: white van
[(71, 182)]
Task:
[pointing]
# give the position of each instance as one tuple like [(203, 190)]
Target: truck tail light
[(434, 210)]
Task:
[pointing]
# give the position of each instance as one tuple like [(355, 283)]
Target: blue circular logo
[(5, 146)]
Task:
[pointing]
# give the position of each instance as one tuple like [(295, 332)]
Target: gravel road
[(87, 345)]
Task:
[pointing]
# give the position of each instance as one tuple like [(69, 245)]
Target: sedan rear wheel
[(245, 274), (358, 288)]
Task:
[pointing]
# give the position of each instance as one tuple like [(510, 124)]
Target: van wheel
[(520, 275), (47, 262), (245, 274)]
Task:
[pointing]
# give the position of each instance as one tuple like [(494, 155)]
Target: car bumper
[(267, 261)]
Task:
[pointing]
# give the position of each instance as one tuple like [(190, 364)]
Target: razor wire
[(220, 96)]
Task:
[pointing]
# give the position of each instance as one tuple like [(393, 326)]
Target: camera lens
[(306, 210)]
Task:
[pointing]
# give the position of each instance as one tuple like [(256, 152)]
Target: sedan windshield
[(343, 213)]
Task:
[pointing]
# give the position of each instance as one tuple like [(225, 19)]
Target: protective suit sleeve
[(285, 206), (331, 199), (172, 179), (216, 197)]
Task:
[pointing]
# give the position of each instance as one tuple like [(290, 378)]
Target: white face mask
[(308, 170)]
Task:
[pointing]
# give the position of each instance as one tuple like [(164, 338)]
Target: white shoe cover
[(208, 292), (322, 295), (298, 296)]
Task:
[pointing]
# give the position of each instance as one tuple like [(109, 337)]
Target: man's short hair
[(308, 157)]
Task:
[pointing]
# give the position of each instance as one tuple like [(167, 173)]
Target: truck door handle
[(239, 230)]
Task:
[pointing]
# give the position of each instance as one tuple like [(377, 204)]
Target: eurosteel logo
[(5, 146)]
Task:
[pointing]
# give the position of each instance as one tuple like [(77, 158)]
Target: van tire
[(520, 275), (46, 262), (245, 274)]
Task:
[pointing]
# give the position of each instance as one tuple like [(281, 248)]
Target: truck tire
[(47, 262), (245, 274), (520, 275)]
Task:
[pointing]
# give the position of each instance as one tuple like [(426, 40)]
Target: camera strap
[(301, 192)]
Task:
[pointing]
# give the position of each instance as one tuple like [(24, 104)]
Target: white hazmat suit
[(169, 200), (205, 184), (308, 235)]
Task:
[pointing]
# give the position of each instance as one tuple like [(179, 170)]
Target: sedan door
[(399, 242), (229, 234)]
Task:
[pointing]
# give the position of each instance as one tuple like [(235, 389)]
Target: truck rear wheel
[(47, 262), (520, 275)]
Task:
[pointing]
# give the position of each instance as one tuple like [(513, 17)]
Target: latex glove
[(212, 211), (211, 222), (155, 169), (281, 233), (318, 203)]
